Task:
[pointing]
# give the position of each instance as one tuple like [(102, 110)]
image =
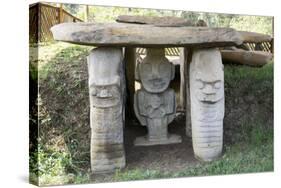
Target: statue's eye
[(146, 68), (200, 84), (93, 91), (217, 85)]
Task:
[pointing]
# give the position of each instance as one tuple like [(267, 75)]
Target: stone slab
[(138, 35), (163, 21), (169, 21), (254, 37), (252, 58), (143, 141)]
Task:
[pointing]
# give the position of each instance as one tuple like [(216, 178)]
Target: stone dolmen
[(154, 104)]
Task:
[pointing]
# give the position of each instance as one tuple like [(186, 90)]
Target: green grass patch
[(255, 154), (254, 78), (51, 167)]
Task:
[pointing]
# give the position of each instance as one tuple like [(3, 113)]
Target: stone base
[(144, 141), (109, 167), (210, 159)]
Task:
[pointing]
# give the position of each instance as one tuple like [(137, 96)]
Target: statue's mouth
[(209, 98), (105, 102), (157, 82)]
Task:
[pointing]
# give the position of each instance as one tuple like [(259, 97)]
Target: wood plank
[(136, 35)]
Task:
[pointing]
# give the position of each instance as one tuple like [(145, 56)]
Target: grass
[(62, 156), (253, 155)]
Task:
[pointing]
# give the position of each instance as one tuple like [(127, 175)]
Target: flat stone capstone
[(142, 35)]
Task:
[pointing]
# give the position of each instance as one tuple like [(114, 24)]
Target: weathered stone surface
[(254, 37), (252, 58), (169, 21), (155, 72), (155, 103), (164, 21), (138, 35), (207, 103), (106, 88)]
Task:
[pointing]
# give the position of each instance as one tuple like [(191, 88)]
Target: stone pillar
[(106, 89), (207, 103), (155, 102)]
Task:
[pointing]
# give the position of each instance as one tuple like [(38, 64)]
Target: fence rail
[(262, 46), (42, 17)]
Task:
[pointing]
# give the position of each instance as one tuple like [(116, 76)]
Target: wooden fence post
[(86, 15), (60, 9)]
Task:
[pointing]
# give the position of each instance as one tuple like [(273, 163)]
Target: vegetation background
[(260, 24)]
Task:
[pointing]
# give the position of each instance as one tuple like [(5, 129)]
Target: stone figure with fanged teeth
[(107, 90), (207, 103)]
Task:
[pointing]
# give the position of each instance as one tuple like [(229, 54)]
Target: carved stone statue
[(207, 103), (106, 86), (155, 103)]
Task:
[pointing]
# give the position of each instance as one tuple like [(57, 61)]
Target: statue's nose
[(104, 94), (209, 89), (154, 72)]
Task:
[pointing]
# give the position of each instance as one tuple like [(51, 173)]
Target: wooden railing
[(42, 17), (262, 46), (168, 51)]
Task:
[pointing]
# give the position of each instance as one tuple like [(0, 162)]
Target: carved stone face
[(208, 91), (207, 76), (105, 96), (104, 66), (104, 80), (156, 71)]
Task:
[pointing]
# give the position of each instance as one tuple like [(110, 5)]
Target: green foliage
[(52, 167), (44, 57), (137, 174), (257, 79), (71, 8), (260, 24)]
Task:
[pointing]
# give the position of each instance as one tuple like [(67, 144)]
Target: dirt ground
[(169, 158), (166, 158)]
